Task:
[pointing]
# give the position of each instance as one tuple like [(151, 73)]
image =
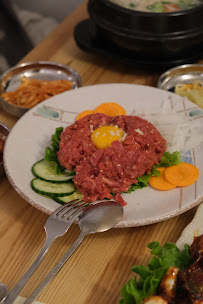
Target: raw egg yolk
[(103, 136)]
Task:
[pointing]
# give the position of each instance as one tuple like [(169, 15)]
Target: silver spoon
[(3, 292), (96, 218)]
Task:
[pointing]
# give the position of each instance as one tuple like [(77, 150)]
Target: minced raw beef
[(105, 173)]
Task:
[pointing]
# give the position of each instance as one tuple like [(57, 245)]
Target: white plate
[(31, 134)]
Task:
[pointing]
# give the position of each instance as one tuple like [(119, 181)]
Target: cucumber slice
[(52, 189), (45, 170), (66, 199)]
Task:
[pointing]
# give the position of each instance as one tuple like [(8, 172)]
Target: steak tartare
[(105, 173)]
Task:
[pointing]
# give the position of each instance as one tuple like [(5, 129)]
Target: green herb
[(157, 7), (186, 4), (51, 153), (132, 5), (167, 160), (148, 278)]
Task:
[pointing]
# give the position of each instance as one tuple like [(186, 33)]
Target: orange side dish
[(33, 91)]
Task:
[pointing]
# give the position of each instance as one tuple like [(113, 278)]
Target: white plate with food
[(178, 121)]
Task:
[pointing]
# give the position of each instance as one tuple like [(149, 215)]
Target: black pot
[(156, 35)]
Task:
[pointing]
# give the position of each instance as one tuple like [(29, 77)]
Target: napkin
[(193, 229), (21, 300)]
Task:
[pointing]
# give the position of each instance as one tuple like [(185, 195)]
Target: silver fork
[(56, 225)]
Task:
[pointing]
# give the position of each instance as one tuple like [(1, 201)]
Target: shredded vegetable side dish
[(193, 91), (33, 91)]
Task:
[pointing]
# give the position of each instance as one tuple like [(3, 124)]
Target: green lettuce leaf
[(141, 183), (170, 159), (147, 279), (51, 153)]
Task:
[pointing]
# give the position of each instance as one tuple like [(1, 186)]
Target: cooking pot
[(162, 36)]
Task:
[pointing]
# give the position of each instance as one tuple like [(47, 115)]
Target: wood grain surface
[(102, 264)]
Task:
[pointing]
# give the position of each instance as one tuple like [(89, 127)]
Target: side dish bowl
[(158, 35), (182, 74), (4, 131), (41, 70)]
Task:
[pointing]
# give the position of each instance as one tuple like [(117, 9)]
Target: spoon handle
[(55, 270), (19, 286)]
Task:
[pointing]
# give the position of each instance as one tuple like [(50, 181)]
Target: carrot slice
[(182, 175), (110, 109), (159, 182), (170, 7), (84, 113)]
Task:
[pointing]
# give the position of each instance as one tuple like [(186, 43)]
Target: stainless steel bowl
[(4, 131), (43, 70), (182, 74)]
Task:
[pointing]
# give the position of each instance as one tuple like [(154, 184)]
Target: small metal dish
[(43, 70), (182, 74), (4, 131)]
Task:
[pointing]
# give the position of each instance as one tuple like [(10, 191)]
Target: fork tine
[(68, 213), (76, 213), (66, 208), (67, 205)]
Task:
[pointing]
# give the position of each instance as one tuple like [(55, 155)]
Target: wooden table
[(102, 264)]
